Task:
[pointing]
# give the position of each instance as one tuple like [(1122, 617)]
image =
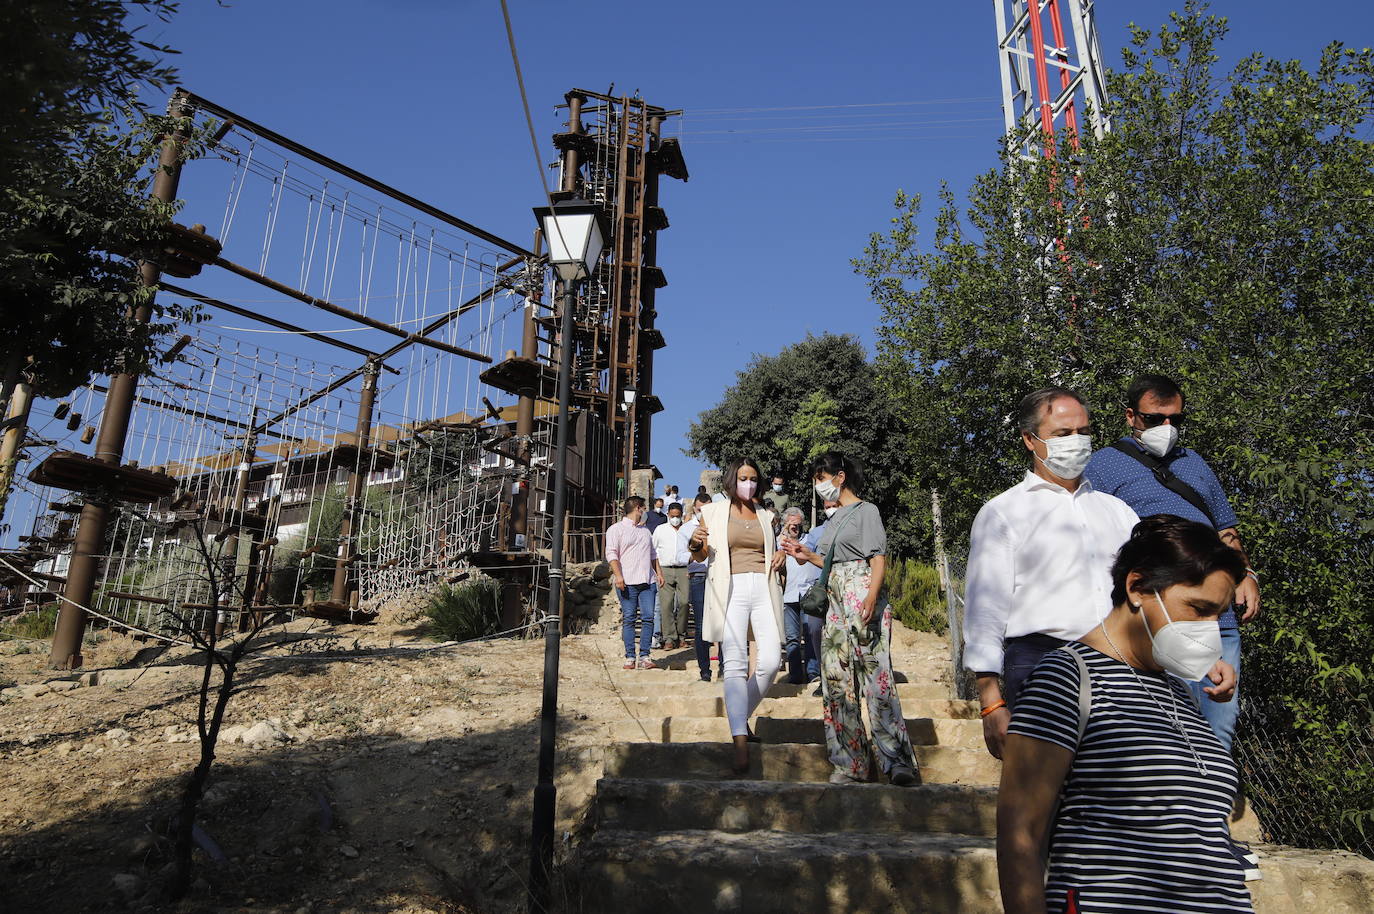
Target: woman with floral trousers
[(857, 633), (855, 659)]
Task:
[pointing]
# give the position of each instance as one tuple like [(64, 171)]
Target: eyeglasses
[(1150, 420)]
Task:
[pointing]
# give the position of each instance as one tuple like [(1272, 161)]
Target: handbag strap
[(830, 553), (1085, 693), (1166, 478)]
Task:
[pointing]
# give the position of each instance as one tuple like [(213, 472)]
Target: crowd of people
[(1104, 597)]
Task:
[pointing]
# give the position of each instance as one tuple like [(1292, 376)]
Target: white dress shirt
[(671, 546), (1040, 560)]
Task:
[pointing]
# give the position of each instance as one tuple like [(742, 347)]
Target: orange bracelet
[(992, 707)]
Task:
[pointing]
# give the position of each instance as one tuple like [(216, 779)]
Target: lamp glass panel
[(567, 237)]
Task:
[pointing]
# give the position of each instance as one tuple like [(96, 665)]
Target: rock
[(348, 851), (118, 735), (66, 747), (128, 885), (178, 735), (602, 571), (63, 685), (34, 689), (264, 733), (232, 734)]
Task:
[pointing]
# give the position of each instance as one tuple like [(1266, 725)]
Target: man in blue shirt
[(1154, 412)]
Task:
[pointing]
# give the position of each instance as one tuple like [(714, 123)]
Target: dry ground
[(391, 776)]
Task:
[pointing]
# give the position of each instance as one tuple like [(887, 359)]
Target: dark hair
[(702, 499), (676, 504), (1035, 404), (1166, 550), (1157, 384), (634, 501), (834, 463), (730, 475)]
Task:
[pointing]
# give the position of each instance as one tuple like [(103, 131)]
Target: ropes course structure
[(362, 414)]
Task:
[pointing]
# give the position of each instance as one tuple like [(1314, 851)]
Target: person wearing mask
[(671, 547), (671, 497), (799, 578), (653, 519), (742, 594), (1108, 757), (776, 497), (635, 572), (855, 643), (655, 516), (1150, 471), (1039, 558), (696, 590), (814, 624)]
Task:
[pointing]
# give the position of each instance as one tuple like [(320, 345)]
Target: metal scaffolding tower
[(1030, 97)]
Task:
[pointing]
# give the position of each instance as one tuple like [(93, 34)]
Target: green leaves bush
[(913, 590), (466, 611)]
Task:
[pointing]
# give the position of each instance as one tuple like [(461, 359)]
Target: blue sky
[(421, 94)]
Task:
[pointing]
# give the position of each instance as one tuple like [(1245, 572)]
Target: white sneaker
[(843, 777)]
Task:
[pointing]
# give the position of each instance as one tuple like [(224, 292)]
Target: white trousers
[(749, 606)]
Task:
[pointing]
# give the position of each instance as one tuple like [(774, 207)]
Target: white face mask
[(777, 487), (830, 512), (827, 490), (675, 521), (1066, 455), (1189, 650), (1159, 440)]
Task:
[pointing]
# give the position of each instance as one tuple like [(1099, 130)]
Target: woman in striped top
[(1143, 786)]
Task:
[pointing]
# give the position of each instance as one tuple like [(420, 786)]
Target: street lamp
[(575, 231), (627, 403)]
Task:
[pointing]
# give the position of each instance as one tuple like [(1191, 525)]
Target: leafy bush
[(465, 612), (913, 589), (40, 625)]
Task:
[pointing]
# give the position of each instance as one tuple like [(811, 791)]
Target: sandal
[(629, 665), (647, 664)]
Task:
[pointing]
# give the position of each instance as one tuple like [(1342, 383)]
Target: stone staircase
[(670, 829)]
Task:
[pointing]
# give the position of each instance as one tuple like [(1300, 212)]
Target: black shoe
[(901, 776), (706, 676), (818, 693)]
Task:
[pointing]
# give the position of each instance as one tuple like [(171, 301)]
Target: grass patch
[(913, 589), (39, 625)]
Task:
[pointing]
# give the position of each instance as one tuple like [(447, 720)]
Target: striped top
[(1141, 828)]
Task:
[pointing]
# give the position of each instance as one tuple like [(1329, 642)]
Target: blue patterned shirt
[(1128, 479)]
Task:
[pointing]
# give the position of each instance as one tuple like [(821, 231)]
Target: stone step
[(658, 697), (739, 806), (865, 873), (652, 872), (924, 731), (789, 762)]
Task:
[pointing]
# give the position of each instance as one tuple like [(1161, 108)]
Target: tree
[(76, 146), (1220, 234), (820, 391)]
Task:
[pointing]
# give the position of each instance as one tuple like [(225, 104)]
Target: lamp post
[(627, 405), (575, 231)]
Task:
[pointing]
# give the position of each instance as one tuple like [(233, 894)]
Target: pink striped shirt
[(633, 547)]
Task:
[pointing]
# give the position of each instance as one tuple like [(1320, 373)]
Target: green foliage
[(1219, 234), (76, 148), (465, 611), (815, 428), (818, 393), (913, 590), (37, 625)]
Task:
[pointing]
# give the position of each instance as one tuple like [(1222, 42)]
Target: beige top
[(746, 545)]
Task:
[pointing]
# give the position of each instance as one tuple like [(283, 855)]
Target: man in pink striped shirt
[(635, 570)]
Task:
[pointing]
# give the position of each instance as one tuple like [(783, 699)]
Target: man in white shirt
[(673, 555), (1040, 558)]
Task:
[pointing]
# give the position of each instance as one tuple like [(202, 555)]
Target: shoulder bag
[(1166, 478)]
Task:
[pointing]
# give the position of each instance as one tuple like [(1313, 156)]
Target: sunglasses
[(1150, 420)]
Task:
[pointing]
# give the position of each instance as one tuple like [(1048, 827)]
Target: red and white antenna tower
[(1046, 80)]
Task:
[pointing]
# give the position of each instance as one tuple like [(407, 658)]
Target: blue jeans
[(794, 647), (696, 596), (1020, 656), (1221, 715), (637, 605), (814, 626)]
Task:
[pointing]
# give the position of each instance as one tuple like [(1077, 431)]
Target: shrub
[(39, 625), (465, 612), (913, 589)]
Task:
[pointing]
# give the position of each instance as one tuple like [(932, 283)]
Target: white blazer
[(717, 518)]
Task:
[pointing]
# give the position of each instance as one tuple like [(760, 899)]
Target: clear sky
[(421, 94)]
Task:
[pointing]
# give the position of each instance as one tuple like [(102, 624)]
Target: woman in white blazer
[(742, 593)]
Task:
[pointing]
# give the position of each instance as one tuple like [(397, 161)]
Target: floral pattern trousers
[(855, 660)]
